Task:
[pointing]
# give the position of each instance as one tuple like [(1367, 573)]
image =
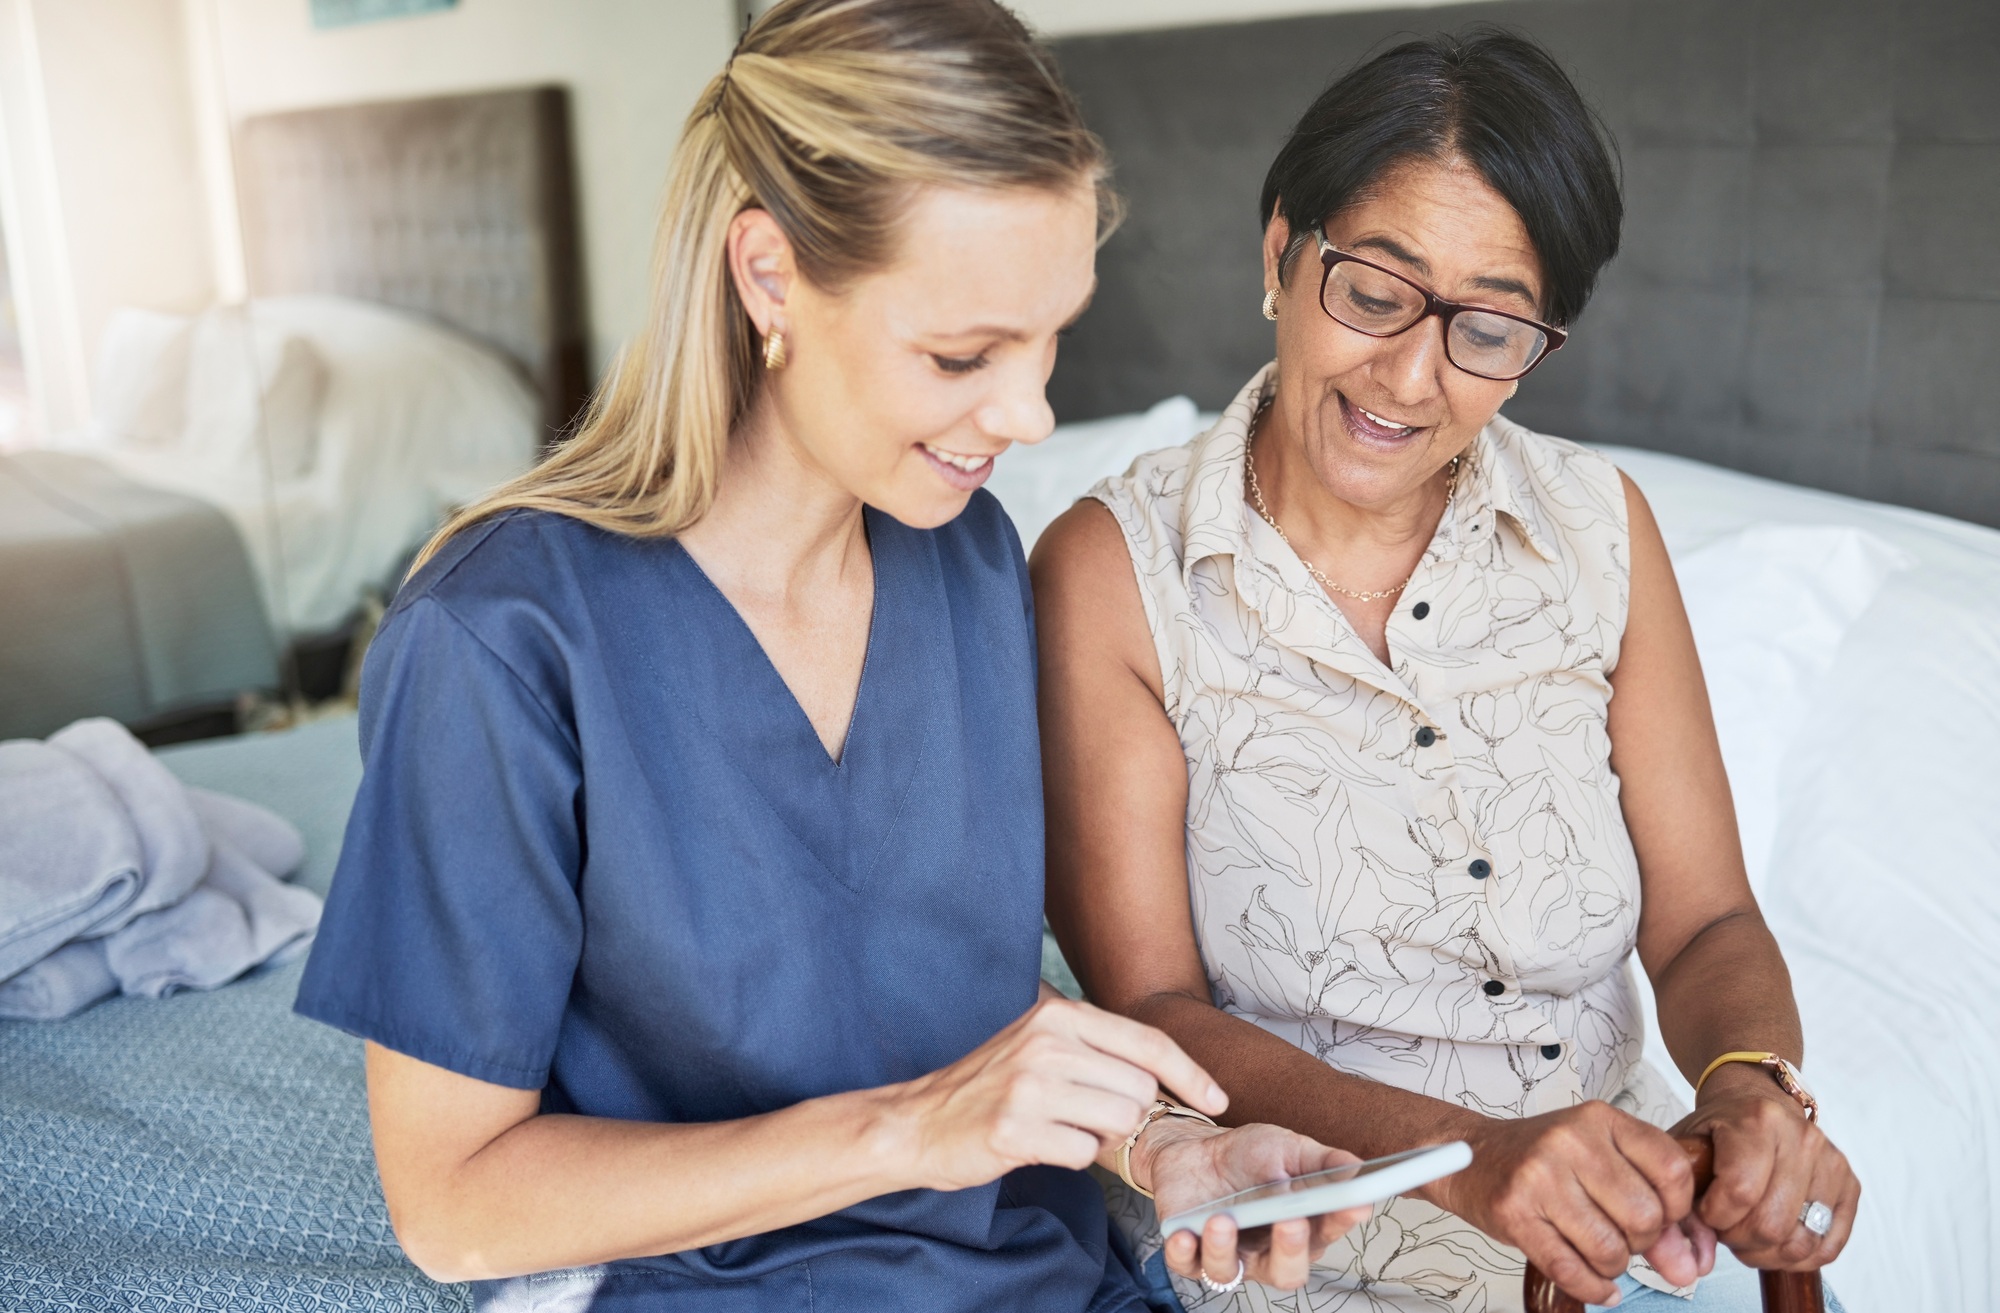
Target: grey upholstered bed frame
[(1810, 282), (457, 207)]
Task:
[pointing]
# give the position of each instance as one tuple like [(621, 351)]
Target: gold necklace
[(1257, 499)]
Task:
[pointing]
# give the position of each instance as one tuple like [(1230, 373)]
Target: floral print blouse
[(1417, 872)]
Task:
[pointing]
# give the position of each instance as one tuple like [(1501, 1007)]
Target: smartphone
[(1346, 1186)]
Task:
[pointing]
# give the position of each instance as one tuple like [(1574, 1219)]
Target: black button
[(1552, 1051), (1480, 868), (1495, 988), (1426, 736), (1420, 610)]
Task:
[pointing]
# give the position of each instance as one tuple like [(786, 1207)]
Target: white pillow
[(253, 387), (1036, 484), (1770, 605), (415, 418), (140, 382)]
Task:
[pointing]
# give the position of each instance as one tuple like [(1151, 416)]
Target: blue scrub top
[(600, 852)]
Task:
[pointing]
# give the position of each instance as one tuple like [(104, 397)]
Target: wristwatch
[(1783, 1072)]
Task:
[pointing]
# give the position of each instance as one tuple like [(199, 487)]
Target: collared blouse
[(1418, 872)]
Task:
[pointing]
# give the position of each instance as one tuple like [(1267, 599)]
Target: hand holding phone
[(1347, 1186)]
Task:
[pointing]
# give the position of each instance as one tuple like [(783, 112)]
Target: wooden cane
[(1784, 1292)]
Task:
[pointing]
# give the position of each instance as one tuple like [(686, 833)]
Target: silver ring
[(1225, 1287), (1816, 1217)]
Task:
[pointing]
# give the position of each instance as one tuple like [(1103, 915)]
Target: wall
[(634, 68), (1070, 17), (126, 163), (116, 119), (102, 191)]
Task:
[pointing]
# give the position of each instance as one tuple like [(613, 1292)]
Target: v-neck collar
[(784, 694), (840, 810)]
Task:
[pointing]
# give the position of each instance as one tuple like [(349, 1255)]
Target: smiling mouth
[(967, 464), (959, 471), (1370, 427)]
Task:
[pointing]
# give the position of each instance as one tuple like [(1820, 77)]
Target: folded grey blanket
[(115, 876)]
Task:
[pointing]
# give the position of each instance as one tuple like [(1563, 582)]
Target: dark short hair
[(1491, 97)]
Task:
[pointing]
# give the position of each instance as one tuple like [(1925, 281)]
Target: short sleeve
[(452, 929)]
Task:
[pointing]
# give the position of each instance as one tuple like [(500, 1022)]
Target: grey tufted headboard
[(457, 207), (1810, 282)]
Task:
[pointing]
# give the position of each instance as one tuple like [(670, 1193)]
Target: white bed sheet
[(415, 419), (1882, 878), (1852, 651)]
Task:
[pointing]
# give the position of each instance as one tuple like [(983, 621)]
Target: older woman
[(1339, 794)]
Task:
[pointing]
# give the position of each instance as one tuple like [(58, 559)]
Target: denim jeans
[(1730, 1288)]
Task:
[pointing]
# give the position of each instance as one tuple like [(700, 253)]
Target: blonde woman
[(691, 904)]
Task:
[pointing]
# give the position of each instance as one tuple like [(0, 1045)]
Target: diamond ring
[(1224, 1287), (1816, 1217)]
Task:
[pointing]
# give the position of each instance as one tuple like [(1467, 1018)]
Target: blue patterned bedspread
[(206, 1151)]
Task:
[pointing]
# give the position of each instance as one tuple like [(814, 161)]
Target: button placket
[(1298, 615), (1556, 1090), (1499, 968)]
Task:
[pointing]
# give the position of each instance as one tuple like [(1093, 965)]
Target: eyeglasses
[(1381, 303)]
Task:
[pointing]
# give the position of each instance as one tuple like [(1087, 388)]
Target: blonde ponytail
[(829, 116)]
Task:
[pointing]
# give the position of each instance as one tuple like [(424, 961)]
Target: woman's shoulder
[(979, 551), (1151, 500), (508, 590), (1569, 484), (1155, 483), (515, 558), (982, 533)]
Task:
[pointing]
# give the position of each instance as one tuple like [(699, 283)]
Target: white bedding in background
[(1852, 652), (376, 422), (1038, 483), (1881, 870)]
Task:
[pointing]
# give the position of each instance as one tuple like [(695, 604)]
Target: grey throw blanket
[(118, 599), (115, 876)]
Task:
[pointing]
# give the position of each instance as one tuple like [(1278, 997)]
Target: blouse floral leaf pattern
[(1420, 872)]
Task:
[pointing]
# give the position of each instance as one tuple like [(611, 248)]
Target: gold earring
[(774, 350), (1271, 304), (1515, 388)]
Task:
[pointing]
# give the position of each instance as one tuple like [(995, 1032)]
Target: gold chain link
[(1257, 500)]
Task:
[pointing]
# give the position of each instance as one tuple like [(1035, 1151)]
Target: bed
[(207, 1150), (254, 473), (118, 598)]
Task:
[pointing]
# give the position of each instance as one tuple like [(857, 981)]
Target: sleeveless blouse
[(1418, 872)]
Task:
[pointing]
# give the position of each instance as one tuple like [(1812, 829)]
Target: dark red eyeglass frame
[(1330, 255)]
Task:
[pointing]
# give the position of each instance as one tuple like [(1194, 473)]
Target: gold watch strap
[(1782, 1071), (1161, 1108)]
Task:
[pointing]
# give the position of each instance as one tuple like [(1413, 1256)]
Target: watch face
[(1792, 1084)]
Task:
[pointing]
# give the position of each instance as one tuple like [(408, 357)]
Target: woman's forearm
[(1726, 991), (481, 1184), (1271, 1080), (563, 1191)]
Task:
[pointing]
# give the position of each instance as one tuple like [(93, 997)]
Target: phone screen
[(1313, 1180)]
